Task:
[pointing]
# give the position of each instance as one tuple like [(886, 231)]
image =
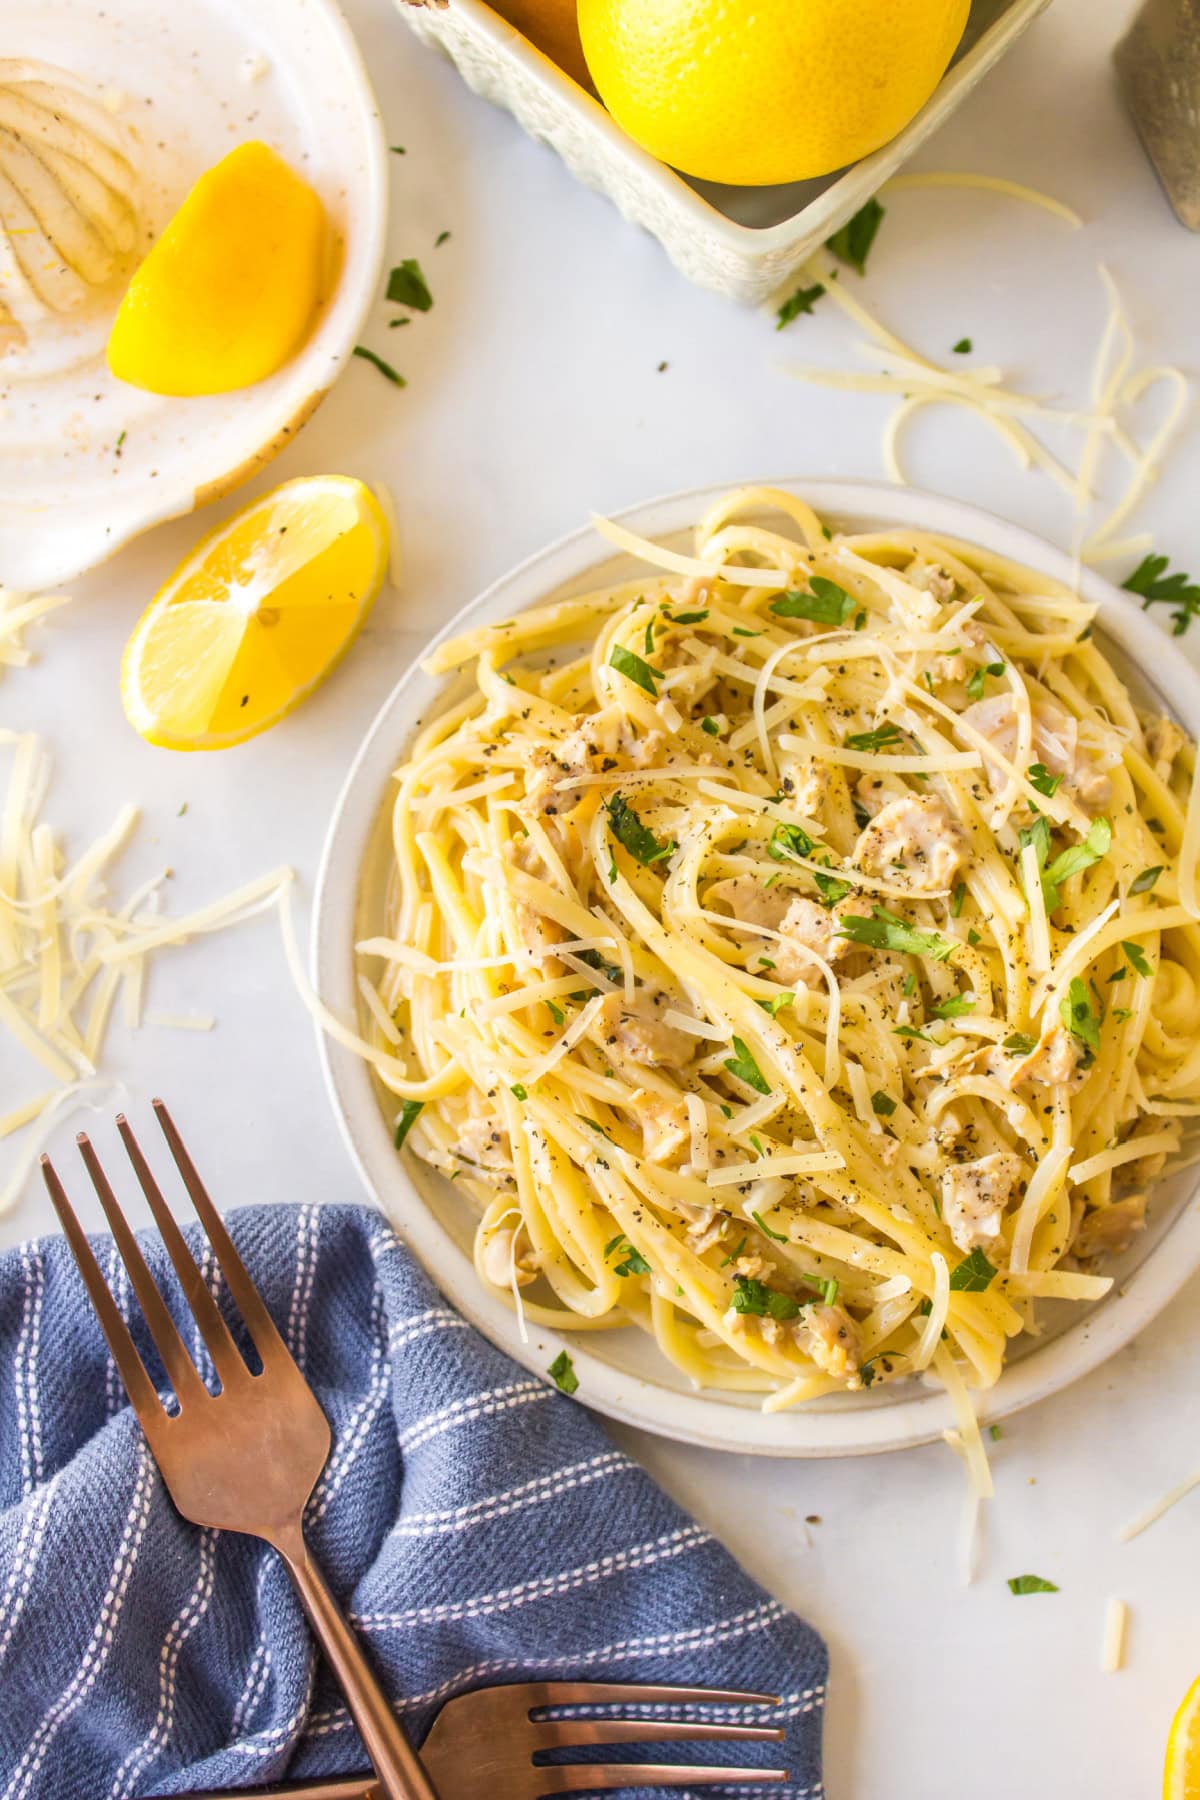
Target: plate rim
[(703, 1419)]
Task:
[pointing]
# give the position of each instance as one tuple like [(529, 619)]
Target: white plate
[(622, 1373), (86, 462)]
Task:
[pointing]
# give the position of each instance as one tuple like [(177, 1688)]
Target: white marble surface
[(534, 395)]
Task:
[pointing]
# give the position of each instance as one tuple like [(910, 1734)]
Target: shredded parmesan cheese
[(1112, 1644), (1154, 1513)]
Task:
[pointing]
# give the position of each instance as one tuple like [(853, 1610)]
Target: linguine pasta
[(790, 953)]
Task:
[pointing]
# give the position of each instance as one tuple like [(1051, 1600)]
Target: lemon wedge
[(1181, 1778), (228, 292), (256, 617)]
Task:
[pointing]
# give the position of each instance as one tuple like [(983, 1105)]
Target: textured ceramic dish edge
[(742, 262), (322, 359), (698, 1418)]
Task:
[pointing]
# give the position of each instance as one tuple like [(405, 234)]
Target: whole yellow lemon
[(757, 91)]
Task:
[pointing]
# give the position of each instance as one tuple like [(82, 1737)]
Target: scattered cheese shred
[(995, 184), (1154, 1513), (67, 952), (1112, 1644)]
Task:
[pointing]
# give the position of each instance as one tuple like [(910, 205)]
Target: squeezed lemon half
[(256, 617), (228, 292), (1181, 1777)]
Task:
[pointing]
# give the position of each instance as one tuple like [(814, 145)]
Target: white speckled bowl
[(622, 1373), (190, 80)]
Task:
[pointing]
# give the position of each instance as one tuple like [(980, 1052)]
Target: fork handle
[(400, 1771)]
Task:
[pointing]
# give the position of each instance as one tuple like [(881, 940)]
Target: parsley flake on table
[(635, 837), (1031, 1584), (802, 301), (825, 603), (852, 243), (385, 368), (562, 1374), (963, 347), (1152, 583), (635, 669), (409, 1113), (884, 930), (742, 1065), (407, 286)]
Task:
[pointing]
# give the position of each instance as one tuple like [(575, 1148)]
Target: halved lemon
[(256, 616), (1181, 1777)]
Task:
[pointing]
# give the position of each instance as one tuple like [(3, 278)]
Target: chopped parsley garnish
[(883, 1104), (631, 665), (789, 841), (734, 1253), (886, 931), (408, 287), (440, 239), (994, 1433), (1095, 846), (979, 676), (830, 888), (397, 150), (121, 436), (1138, 958), (1122, 1013), (957, 899), (385, 368), (908, 984), (775, 1006), (954, 1008), (779, 1236), (632, 1264), (852, 243), (562, 1373), (740, 631), (710, 725), (1039, 777), (409, 1113), (1077, 1015), (751, 1296), (963, 347), (556, 1012), (878, 739), (742, 1065), (825, 603), (648, 645), (973, 1274), (1031, 1584), (594, 960), (686, 618), (911, 1032), (1141, 884), (1017, 1043), (802, 301), (519, 1090), (1151, 581), (637, 838)]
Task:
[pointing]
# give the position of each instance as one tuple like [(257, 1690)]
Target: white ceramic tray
[(622, 1373), (743, 242)]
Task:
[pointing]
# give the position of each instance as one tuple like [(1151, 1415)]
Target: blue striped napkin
[(479, 1527)]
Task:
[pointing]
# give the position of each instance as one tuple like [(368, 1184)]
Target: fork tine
[(181, 1370), (555, 1732), (138, 1385), (246, 1295), (226, 1358), (576, 1778), (616, 1693)]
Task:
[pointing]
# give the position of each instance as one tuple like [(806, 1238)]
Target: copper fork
[(247, 1458), (483, 1744)]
